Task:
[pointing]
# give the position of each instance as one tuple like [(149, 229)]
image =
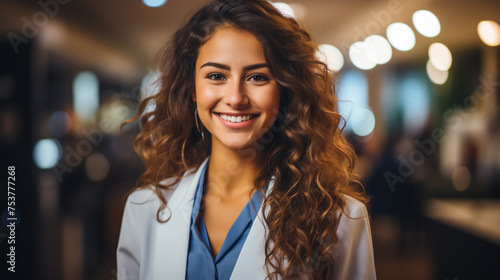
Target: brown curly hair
[(306, 152)]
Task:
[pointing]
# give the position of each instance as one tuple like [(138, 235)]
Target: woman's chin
[(235, 143), (238, 146)]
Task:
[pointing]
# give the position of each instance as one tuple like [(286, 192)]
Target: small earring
[(197, 125)]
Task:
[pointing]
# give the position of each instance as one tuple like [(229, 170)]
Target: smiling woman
[(246, 168)]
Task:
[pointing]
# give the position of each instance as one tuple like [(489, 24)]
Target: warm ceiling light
[(489, 32), (358, 55), (426, 23), (378, 49), (331, 56), (437, 76), (401, 36), (285, 9), (440, 56)]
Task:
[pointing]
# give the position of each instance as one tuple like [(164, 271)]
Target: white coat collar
[(172, 237)]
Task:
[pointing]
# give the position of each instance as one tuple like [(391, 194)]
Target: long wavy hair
[(307, 154)]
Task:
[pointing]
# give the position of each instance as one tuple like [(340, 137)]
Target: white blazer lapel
[(172, 237), (251, 261)]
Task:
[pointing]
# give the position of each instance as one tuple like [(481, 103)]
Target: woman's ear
[(193, 96)]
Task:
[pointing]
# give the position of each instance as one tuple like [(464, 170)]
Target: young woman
[(247, 173)]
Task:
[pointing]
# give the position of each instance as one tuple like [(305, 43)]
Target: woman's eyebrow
[(254, 66), (226, 67), (218, 65)]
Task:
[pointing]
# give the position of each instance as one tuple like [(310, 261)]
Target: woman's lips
[(236, 121)]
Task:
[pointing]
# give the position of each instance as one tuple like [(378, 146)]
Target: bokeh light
[(352, 93), (440, 56), (86, 95), (59, 123), (359, 57), (401, 36), (415, 96), (362, 121), (378, 49), (426, 23), (285, 9), (112, 113), (97, 167), (436, 76), (331, 56), (150, 86), (154, 3), (461, 178), (489, 32), (47, 153)]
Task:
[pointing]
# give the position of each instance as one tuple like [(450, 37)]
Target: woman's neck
[(232, 173)]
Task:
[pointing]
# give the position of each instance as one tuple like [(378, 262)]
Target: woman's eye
[(216, 77), (258, 78)]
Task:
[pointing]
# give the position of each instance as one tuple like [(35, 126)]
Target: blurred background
[(418, 83)]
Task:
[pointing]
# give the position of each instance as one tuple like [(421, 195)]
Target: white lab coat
[(148, 249)]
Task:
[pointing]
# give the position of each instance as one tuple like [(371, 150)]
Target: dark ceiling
[(132, 32)]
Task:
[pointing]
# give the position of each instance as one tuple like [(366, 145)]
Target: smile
[(236, 119)]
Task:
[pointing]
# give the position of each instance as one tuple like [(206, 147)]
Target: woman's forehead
[(231, 46)]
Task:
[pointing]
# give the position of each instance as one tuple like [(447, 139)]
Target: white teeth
[(235, 119)]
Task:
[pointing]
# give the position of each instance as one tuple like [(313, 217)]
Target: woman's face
[(236, 95)]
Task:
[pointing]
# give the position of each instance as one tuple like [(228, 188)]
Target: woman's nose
[(235, 95)]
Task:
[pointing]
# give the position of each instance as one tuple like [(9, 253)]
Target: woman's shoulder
[(142, 203), (353, 218), (353, 207), (147, 194), (141, 196), (146, 199)]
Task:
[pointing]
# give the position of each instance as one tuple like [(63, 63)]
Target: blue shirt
[(200, 263)]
